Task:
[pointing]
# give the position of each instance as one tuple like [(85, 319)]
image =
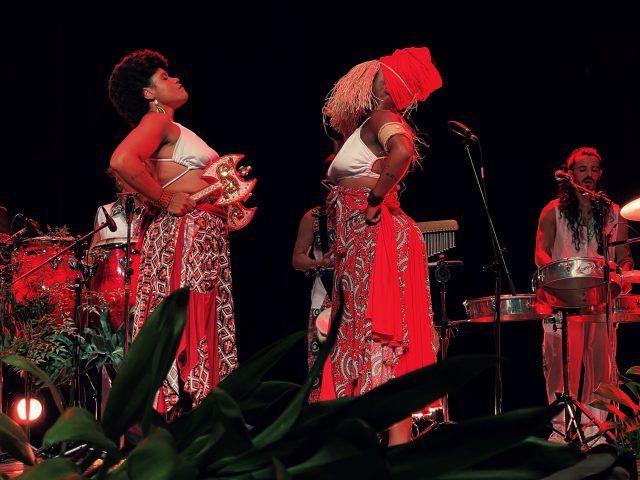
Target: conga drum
[(53, 281), (107, 288)]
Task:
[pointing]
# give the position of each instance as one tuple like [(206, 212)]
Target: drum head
[(574, 283)]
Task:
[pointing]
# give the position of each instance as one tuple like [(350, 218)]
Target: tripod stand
[(574, 432)]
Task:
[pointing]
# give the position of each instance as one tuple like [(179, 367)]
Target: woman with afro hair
[(185, 244)]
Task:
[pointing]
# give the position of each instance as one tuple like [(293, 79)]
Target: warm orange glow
[(35, 411)]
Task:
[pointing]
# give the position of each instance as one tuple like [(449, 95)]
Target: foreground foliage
[(251, 428)]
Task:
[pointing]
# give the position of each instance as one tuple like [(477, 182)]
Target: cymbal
[(631, 211)]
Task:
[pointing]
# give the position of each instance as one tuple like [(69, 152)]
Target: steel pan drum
[(626, 309), (512, 308), (574, 282), (55, 279)]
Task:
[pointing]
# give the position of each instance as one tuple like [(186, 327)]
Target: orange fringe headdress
[(351, 98)]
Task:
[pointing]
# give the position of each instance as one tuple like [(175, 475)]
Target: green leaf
[(615, 394), (14, 441), (218, 427), (244, 380), (141, 373), (534, 458), (78, 425), (264, 396), (156, 458), (633, 371), (398, 398), (457, 447), (28, 366), (610, 407), (54, 468), (351, 450)]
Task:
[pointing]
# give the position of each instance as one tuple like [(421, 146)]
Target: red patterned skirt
[(381, 276), (190, 251)]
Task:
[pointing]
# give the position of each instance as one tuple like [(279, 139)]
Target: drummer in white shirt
[(569, 227), (117, 211)]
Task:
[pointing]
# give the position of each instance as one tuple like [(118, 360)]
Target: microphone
[(561, 176), (108, 219), (31, 225), (460, 129)]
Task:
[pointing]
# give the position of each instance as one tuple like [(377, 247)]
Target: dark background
[(531, 84)]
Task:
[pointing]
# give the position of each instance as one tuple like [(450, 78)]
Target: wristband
[(163, 201)]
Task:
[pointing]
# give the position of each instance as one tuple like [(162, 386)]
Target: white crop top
[(353, 160), (189, 151)]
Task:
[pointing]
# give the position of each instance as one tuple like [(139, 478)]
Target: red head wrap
[(409, 75)]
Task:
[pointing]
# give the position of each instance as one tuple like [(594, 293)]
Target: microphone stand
[(80, 280), (129, 204), (498, 264)]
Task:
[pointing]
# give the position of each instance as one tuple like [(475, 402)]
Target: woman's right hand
[(372, 215), (181, 203)]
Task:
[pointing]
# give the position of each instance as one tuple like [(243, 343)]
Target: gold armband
[(163, 201), (390, 129)]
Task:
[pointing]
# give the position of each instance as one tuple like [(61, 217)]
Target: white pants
[(589, 345)]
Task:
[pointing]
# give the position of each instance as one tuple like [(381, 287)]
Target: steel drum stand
[(570, 405)]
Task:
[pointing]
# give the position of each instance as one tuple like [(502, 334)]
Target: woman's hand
[(180, 204), (372, 215)]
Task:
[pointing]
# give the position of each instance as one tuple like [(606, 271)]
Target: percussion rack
[(440, 236)]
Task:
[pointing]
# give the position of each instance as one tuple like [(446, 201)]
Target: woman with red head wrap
[(380, 262)]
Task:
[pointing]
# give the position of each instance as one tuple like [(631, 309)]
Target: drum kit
[(78, 282)]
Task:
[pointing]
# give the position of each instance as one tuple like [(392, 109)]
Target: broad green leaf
[(282, 425), (456, 447), (244, 380), (348, 449), (280, 471), (78, 425), (532, 459), (610, 407), (53, 469), (156, 458), (265, 395), (398, 398), (633, 371), (14, 441), (225, 435), (607, 390), (351, 450), (28, 366), (141, 373)]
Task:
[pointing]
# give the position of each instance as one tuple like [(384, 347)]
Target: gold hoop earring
[(159, 109)]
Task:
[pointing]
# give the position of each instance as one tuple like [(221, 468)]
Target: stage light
[(36, 409)]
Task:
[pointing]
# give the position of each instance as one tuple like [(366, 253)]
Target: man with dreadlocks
[(570, 227), (380, 264)]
